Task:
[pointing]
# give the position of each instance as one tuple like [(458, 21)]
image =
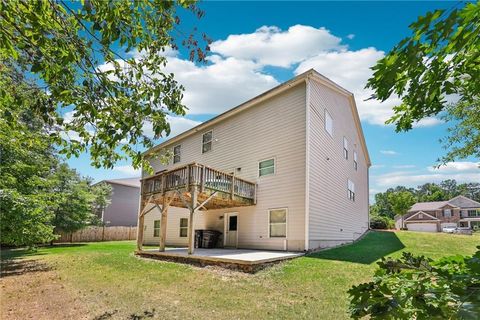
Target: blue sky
[(258, 45)]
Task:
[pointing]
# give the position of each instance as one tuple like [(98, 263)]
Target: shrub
[(420, 288), (381, 222)]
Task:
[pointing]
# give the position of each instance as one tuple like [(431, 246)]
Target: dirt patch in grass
[(30, 289)]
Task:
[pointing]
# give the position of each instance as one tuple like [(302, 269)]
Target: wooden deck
[(195, 187), (215, 189), (244, 260)]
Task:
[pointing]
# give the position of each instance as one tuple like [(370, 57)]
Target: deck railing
[(204, 177)]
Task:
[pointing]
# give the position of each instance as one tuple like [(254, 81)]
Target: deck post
[(163, 223), (141, 222), (194, 195)]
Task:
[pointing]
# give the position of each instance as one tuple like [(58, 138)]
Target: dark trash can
[(210, 238), (198, 239)]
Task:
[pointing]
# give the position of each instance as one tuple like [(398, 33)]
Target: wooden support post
[(202, 179), (191, 234), (141, 222), (163, 223)]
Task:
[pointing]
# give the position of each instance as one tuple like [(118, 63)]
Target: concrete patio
[(246, 260)]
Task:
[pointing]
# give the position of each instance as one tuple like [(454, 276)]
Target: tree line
[(397, 201), (39, 193)]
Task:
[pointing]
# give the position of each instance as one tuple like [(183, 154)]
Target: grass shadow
[(16, 267), (375, 245), (66, 245)]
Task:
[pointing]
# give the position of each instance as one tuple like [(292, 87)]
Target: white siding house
[(290, 142)]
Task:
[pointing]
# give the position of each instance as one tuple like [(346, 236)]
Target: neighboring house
[(123, 208), (286, 170), (434, 216)]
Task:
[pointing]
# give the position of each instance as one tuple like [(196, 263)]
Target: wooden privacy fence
[(92, 234)]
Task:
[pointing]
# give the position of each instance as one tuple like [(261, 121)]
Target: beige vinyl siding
[(274, 128), (173, 227), (333, 218)]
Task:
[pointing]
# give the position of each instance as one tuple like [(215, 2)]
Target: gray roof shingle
[(459, 201)]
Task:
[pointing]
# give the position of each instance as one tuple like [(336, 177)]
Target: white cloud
[(269, 45), (377, 166), (427, 122), (404, 166), (412, 179), (351, 70), (220, 85), (457, 167), (235, 71), (128, 170), (461, 171), (389, 152), (177, 126)]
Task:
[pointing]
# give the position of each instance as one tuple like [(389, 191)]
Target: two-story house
[(286, 170), (123, 207), (435, 215)]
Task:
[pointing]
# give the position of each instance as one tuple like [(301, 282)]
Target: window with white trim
[(183, 227), (345, 148), (277, 223), (328, 123), (266, 167), (473, 213), (156, 228), (207, 139), (176, 153), (447, 213), (355, 163), (351, 190)]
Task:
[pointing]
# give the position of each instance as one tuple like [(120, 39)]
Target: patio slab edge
[(234, 264)]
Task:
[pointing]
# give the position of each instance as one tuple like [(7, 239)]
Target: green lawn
[(107, 277)]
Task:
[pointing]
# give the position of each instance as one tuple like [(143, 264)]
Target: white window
[(328, 123), (447, 213), (183, 227), (277, 223), (345, 148), (355, 163), (176, 153), (207, 139), (420, 216), (351, 190), (473, 213), (156, 228), (266, 167)]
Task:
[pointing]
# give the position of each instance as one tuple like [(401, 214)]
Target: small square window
[(278, 223), (176, 153), (183, 227), (207, 139), (156, 228), (266, 167)]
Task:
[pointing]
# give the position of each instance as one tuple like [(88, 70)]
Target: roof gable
[(427, 206), (302, 78), (464, 202), (353, 106), (421, 212)]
